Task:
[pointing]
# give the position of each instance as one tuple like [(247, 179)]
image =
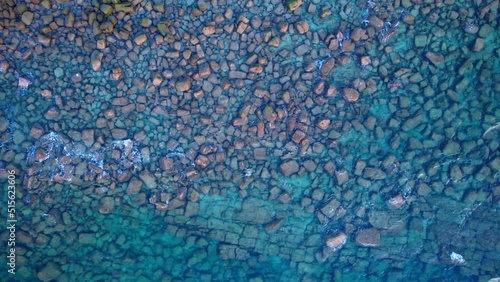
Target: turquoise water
[(148, 146)]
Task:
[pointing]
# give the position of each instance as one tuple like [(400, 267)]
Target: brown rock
[(166, 164), (23, 82), (302, 27), (46, 93), (274, 42), (119, 133), (116, 74), (436, 59), (336, 242), (134, 186), (4, 66), (331, 91), (351, 95), (52, 113), (88, 137), (208, 30), (242, 26), (261, 93), (95, 60), (298, 136), (323, 124), (365, 60), (204, 70), (368, 237), (319, 88), (202, 161), (256, 69), (140, 39), (183, 85), (396, 202), (40, 155), (357, 34), (260, 153), (334, 44), (157, 79), (327, 66), (36, 131), (342, 176), (289, 168), (376, 22)]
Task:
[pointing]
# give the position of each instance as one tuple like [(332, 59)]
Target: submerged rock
[(336, 241), (368, 237)]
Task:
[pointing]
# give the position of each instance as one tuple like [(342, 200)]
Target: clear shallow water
[(131, 178)]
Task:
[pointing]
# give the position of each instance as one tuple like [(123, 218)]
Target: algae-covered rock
[(293, 5), (126, 8), (163, 28)]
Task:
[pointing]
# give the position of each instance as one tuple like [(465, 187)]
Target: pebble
[(27, 17), (436, 59), (106, 205), (342, 176), (274, 42), (58, 72), (148, 178), (260, 153), (336, 242), (95, 60), (396, 202), (478, 45), (357, 34), (368, 237), (301, 50), (351, 95), (183, 85), (327, 66), (420, 40), (374, 173), (166, 164), (106, 9), (208, 30), (376, 22), (274, 225), (323, 124), (140, 39), (163, 28), (290, 167), (119, 133), (134, 186), (302, 27), (293, 5), (50, 272)]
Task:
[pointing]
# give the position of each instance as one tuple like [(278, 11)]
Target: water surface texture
[(296, 140)]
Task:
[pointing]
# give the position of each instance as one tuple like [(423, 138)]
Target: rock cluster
[(265, 127)]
